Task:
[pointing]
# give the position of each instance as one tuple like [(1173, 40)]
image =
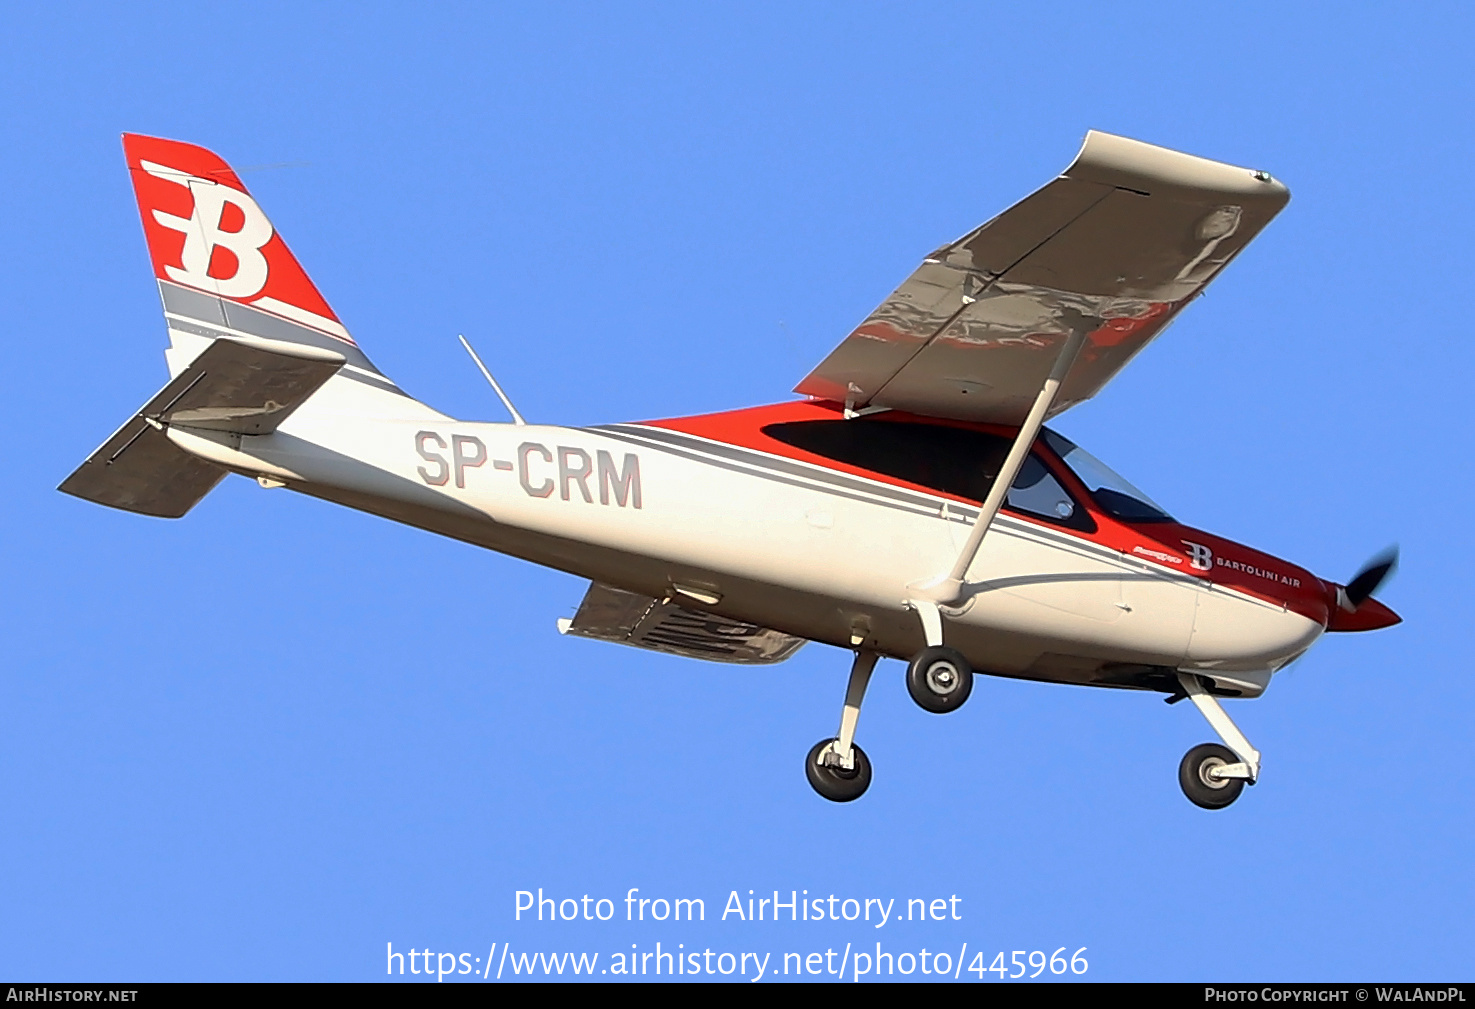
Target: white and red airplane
[(912, 505)]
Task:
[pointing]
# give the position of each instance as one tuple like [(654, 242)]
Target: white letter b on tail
[(203, 234)]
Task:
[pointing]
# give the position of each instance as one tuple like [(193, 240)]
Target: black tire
[(1202, 790), (836, 784), (939, 679)]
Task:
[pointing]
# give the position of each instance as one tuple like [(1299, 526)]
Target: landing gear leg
[(1212, 776), (837, 768)]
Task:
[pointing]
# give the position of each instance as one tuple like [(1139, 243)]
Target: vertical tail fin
[(223, 270), (250, 339)]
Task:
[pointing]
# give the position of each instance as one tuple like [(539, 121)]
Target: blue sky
[(265, 740)]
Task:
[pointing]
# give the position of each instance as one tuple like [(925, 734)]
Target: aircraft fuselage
[(767, 534)]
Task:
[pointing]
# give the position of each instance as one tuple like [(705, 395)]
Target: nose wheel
[(1204, 779), (1213, 776)]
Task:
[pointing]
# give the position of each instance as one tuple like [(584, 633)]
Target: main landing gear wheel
[(836, 783), (1200, 783), (939, 679)]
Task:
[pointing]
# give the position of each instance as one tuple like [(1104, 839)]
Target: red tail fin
[(205, 233)]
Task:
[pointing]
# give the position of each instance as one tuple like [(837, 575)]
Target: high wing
[(1116, 246), (627, 618)]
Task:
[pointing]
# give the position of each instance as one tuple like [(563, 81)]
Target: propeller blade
[(1373, 574)]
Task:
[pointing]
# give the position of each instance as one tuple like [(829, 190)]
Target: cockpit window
[(1115, 495), (949, 459), (953, 460)]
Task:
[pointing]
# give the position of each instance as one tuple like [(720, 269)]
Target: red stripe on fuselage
[(1167, 544)]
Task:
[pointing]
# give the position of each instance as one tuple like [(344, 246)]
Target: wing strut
[(948, 589)]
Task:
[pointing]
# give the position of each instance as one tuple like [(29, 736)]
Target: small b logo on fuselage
[(1200, 557)]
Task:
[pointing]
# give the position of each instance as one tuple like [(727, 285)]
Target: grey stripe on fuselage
[(896, 496), (757, 466), (208, 310), (812, 477)]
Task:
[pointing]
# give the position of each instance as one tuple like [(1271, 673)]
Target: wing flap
[(628, 618), (1117, 245)]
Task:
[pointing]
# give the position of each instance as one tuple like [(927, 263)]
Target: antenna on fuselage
[(516, 417)]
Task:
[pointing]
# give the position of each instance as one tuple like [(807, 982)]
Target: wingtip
[(1116, 160)]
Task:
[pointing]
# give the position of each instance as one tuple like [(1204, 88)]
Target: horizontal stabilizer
[(237, 385), (140, 470), (628, 618), (243, 385)]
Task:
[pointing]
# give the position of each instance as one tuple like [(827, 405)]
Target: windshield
[(1116, 496)]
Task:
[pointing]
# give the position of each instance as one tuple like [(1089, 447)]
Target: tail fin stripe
[(305, 317), (179, 324), (198, 307)]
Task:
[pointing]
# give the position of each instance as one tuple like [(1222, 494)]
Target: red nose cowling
[(1370, 616)]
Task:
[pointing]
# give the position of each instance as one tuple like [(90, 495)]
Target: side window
[(1037, 492), (949, 459)]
